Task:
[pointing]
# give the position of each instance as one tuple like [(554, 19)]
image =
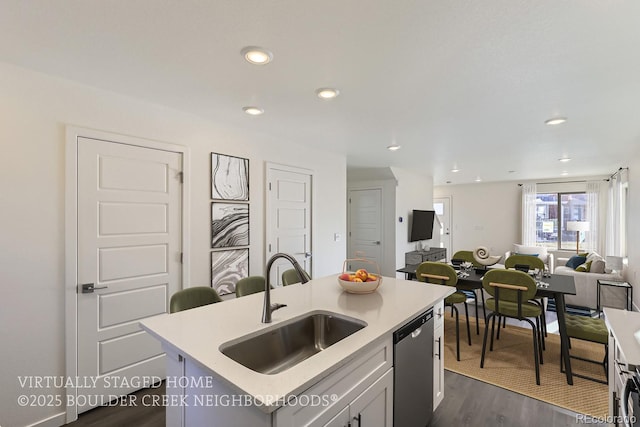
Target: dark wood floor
[(142, 409), (467, 402)]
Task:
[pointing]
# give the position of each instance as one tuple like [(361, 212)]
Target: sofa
[(539, 251), (586, 282)]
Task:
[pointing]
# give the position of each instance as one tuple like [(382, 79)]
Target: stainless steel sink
[(278, 349)]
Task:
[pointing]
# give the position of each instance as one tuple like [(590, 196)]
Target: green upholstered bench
[(588, 329)]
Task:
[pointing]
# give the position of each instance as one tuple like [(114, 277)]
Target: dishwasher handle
[(411, 328)]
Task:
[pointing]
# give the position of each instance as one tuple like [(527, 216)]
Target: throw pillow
[(576, 261), (592, 256), (539, 251), (597, 266), (582, 268)]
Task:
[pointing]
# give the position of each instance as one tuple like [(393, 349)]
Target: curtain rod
[(618, 172), (559, 182)]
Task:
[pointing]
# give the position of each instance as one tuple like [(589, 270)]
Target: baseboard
[(56, 420)]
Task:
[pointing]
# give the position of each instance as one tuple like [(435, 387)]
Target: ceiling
[(455, 83)]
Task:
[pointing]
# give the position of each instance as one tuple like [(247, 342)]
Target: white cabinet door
[(340, 420), (374, 407), (438, 354)]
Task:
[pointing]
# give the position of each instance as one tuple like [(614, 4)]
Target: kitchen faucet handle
[(276, 305)]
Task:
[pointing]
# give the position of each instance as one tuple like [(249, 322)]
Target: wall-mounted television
[(421, 225)]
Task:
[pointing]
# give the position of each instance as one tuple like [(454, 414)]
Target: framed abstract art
[(229, 177), (229, 225), (227, 267)]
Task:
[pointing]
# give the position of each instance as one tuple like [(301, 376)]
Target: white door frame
[(71, 234), (267, 230), (450, 220)]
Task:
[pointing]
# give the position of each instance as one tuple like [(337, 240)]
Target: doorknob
[(377, 242), (307, 254), (88, 288)]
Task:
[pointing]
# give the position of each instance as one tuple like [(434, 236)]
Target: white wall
[(414, 191), (33, 113), (485, 214)]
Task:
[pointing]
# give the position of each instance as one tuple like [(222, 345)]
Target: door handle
[(88, 288), (308, 254), (377, 242), (358, 419), (439, 352)]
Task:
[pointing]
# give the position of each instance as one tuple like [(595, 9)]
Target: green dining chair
[(467, 256), (511, 291), (526, 263), (290, 277), (193, 297), (249, 285), (443, 274), (531, 261)]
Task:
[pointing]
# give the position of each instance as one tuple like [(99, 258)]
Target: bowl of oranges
[(361, 281)]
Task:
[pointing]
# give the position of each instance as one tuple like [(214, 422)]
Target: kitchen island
[(205, 387)]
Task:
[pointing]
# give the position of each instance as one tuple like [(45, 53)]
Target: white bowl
[(360, 287)]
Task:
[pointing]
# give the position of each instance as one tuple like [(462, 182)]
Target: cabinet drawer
[(344, 385)]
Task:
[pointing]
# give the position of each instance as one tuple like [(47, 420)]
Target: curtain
[(591, 237), (529, 196), (616, 206)]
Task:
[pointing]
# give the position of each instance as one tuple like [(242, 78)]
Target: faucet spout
[(269, 308)]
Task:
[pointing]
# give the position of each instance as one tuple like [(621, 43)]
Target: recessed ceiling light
[(555, 121), (478, 179), (327, 93), (256, 55), (454, 170), (253, 111), (394, 147), (564, 173), (565, 159)]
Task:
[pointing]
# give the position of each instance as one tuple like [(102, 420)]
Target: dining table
[(554, 286)]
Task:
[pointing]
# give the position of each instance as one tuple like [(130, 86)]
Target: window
[(553, 211)]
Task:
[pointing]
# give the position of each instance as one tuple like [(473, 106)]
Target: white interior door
[(365, 227), (129, 248), (288, 218), (442, 207)]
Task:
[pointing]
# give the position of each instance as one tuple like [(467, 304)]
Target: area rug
[(511, 366)]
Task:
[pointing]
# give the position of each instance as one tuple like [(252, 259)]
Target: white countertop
[(625, 327), (198, 333)]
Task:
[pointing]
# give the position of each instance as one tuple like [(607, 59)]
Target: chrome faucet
[(269, 308)]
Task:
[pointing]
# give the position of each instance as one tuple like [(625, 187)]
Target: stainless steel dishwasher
[(413, 372)]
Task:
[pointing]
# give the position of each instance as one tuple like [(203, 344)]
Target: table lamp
[(577, 226), (614, 263)]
